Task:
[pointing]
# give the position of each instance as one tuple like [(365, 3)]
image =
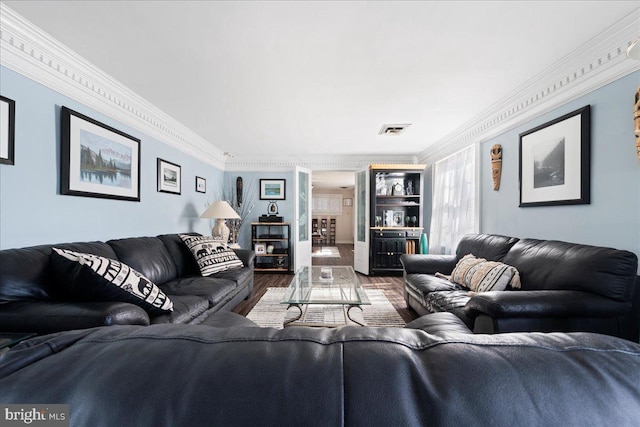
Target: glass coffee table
[(315, 285)]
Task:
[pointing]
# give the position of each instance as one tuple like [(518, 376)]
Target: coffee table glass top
[(309, 286)]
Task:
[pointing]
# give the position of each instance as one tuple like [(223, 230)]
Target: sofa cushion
[(25, 273), (481, 275), (211, 255), (185, 309), (420, 285), (228, 319), (491, 247), (446, 300), (451, 301), (182, 257), (148, 255), (441, 324), (241, 276), (556, 265), (95, 278), (212, 289)]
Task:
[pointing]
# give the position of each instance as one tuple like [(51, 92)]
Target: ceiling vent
[(393, 129)]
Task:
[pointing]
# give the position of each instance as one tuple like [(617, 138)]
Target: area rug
[(268, 312), (326, 252)]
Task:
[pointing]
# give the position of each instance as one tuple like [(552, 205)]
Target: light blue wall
[(251, 196), (613, 217), (33, 212)]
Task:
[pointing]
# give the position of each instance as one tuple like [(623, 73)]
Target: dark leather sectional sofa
[(159, 371), (196, 375), (33, 300), (564, 287)]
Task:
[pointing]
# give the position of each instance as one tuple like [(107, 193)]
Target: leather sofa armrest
[(247, 256), (45, 317), (428, 264), (511, 304)]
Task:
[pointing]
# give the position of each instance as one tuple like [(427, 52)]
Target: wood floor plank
[(391, 285)]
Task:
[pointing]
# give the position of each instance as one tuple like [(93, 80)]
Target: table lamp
[(220, 210)]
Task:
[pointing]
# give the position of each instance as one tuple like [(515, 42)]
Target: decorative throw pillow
[(464, 269), (481, 275), (95, 278), (212, 256)]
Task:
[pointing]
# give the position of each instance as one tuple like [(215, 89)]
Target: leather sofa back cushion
[(181, 255), (25, 273), (148, 255), (491, 247), (94, 278), (554, 265)]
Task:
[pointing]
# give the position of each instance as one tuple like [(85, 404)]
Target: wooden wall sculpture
[(496, 165)]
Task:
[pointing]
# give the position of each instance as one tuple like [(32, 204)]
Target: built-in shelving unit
[(396, 215), (332, 231), (272, 245)]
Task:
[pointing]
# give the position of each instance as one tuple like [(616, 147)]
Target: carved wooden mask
[(496, 165)]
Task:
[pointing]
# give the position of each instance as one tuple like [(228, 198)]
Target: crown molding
[(595, 64), (315, 162), (31, 52), (28, 50)]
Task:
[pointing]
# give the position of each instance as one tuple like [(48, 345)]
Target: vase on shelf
[(424, 244)]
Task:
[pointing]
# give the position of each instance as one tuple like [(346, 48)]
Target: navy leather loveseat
[(564, 287)]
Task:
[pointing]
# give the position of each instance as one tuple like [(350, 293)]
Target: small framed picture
[(398, 219), (347, 202), (272, 189), (201, 184), (260, 248), (169, 177), (7, 129)]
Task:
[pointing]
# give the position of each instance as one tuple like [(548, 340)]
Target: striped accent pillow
[(481, 275), (212, 256), (94, 278)]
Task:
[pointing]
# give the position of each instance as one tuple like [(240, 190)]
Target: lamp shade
[(220, 209)]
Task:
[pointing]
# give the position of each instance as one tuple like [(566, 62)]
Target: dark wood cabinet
[(395, 215)]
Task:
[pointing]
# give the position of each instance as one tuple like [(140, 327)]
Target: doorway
[(332, 217)]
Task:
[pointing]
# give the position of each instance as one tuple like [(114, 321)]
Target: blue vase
[(424, 244)]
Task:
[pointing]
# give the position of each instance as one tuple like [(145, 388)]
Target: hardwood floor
[(391, 285)]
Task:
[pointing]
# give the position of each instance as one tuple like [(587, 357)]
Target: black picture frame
[(97, 160), (8, 130), (555, 161), (273, 189), (169, 177), (201, 184)]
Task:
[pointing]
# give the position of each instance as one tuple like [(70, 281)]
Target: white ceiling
[(262, 79)]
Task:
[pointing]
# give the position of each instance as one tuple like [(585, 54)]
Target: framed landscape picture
[(97, 160), (169, 180), (7, 130), (272, 189), (555, 161)]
